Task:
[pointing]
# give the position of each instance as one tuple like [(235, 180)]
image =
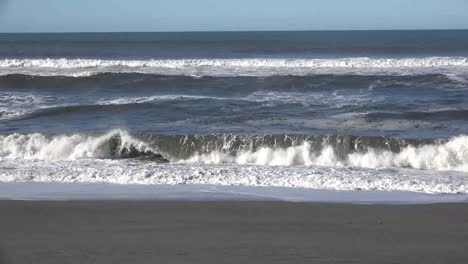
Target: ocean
[(338, 110)]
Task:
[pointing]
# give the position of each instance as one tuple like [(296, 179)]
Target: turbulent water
[(325, 110)]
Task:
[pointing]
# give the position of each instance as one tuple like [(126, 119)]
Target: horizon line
[(232, 31)]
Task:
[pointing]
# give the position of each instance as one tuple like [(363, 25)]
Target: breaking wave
[(230, 67), (113, 145), (272, 150)]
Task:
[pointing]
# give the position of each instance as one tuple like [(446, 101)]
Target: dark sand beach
[(231, 232)]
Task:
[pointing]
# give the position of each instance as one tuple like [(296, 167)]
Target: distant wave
[(32, 107), (444, 114), (294, 63), (118, 79), (283, 150), (231, 67), (22, 105)]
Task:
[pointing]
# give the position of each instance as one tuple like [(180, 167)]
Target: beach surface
[(230, 232)]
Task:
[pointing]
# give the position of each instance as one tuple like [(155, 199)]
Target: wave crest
[(115, 144), (229, 67), (448, 156), (331, 151)]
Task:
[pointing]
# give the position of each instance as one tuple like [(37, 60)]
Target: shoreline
[(231, 232), (62, 191)]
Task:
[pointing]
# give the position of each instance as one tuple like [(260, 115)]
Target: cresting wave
[(362, 62), (280, 150), (113, 145), (228, 67)]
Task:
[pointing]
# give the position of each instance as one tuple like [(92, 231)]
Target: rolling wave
[(113, 145), (276, 150), (266, 99), (233, 67), (294, 63), (144, 81), (113, 105), (446, 114)]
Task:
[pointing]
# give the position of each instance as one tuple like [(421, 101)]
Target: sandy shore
[(231, 232)]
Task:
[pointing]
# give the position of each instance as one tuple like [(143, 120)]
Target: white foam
[(268, 98), (311, 177), (63, 147), (14, 105), (17, 104), (449, 156), (154, 98), (85, 158), (335, 99), (234, 67)]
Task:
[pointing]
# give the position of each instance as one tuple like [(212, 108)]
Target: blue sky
[(216, 15)]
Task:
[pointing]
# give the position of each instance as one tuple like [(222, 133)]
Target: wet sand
[(231, 232)]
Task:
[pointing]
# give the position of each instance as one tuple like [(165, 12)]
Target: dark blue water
[(403, 84), (236, 44)]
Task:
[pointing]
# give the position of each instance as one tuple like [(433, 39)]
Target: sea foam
[(430, 168), (233, 67), (451, 155), (66, 147)]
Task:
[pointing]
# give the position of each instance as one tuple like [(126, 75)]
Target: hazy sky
[(208, 15)]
